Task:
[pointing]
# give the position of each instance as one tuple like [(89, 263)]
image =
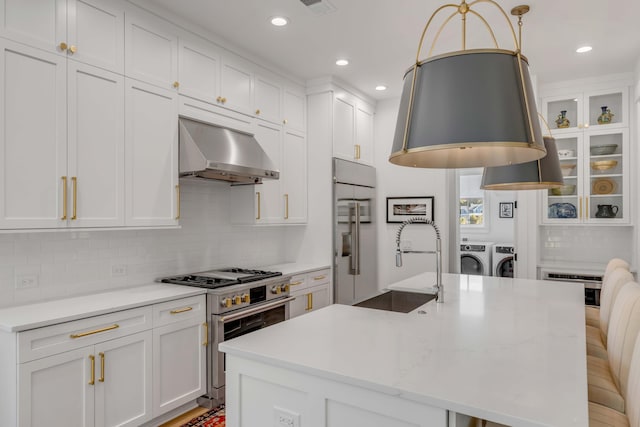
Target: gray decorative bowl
[(601, 150)]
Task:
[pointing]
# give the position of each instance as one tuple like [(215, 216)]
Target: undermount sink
[(398, 301)]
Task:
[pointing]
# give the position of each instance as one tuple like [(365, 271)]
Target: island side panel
[(257, 391)]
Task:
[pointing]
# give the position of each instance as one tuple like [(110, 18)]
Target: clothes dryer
[(503, 262), (475, 258)]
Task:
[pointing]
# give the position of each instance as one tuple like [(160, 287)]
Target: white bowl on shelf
[(566, 153)]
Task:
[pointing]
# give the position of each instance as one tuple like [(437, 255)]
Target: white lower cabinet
[(108, 384), (312, 291), (117, 369), (179, 354)]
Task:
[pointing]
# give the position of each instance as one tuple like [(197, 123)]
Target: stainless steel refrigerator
[(355, 276)]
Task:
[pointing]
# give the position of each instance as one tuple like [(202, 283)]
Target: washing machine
[(503, 259), (475, 258)]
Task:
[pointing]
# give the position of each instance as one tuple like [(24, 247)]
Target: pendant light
[(468, 108), (539, 174)]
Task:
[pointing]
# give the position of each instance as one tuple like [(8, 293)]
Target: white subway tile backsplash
[(72, 263)]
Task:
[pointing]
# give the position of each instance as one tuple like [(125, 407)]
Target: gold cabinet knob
[(72, 49), (176, 84), (62, 46), (285, 121), (258, 112)]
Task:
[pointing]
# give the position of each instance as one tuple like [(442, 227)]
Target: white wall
[(74, 263), (398, 181)]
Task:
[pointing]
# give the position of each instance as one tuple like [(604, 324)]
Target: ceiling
[(380, 37)]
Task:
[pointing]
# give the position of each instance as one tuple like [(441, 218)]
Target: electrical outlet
[(26, 281), (118, 270), (285, 418)]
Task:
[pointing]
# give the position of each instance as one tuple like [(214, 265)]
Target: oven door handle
[(256, 310)]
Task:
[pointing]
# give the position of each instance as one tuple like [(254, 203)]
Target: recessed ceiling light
[(381, 87), (342, 62), (279, 21), (583, 49)]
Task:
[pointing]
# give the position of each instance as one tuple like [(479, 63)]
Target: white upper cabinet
[(364, 133), (96, 147), (352, 128), (151, 50), (295, 111), (236, 86), (89, 31), (199, 69), (268, 100), (33, 148), (294, 180), (151, 147), (591, 129)]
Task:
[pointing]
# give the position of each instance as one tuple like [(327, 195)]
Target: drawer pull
[(96, 331), (319, 277), (92, 381), (299, 282), (181, 310), (309, 302)]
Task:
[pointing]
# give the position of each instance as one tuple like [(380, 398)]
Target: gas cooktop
[(213, 279)]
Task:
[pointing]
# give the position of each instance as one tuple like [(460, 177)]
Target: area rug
[(213, 418)]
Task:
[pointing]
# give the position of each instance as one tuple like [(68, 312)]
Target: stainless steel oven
[(239, 301)]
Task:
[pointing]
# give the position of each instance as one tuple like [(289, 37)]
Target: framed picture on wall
[(506, 210), (400, 209)]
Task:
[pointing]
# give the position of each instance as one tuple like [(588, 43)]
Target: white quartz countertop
[(21, 318), (506, 350), (294, 268)]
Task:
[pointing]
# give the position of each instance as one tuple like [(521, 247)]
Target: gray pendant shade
[(467, 109), (539, 174)]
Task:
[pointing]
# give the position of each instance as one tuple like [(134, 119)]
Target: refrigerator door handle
[(356, 238), (352, 236)]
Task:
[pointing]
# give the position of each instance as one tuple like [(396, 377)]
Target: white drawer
[(182, 309), (41, 342), (319, 277), (298, 283)]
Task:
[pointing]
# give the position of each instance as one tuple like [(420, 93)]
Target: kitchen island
[(506, 350)]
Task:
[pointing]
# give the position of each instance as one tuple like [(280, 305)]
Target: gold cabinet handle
[(62, 46), (319, 277), (309, 302), (357, 151), (586, 208), (258, 112), (64, 198), (92, 358), (181, 310), (580, 208), (74, 183), (95, 331), (286, 206), (176, 85), (101, 379), (299, 282), (178, 201), (205, 325), (72, 49), (258, 193)]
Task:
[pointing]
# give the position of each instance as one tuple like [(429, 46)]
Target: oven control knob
[(246, 298), (237, 299), (226, 302), (285, 287), (275, 290)]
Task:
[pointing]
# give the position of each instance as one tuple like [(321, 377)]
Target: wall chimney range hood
[(214, 152)]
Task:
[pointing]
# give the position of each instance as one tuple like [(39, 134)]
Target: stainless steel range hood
[(214, 152)]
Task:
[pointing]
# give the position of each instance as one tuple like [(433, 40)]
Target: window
[(471, 201)]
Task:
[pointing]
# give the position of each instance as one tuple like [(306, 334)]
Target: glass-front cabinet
[(592, 137)]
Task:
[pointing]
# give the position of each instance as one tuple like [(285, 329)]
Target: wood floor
[(184, 418)]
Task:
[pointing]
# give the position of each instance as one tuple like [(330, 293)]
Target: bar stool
[(592, 314)]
